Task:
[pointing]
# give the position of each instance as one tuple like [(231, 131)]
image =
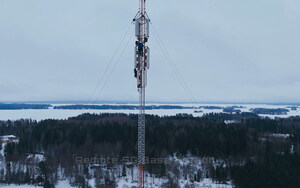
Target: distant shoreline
[(71, 102)]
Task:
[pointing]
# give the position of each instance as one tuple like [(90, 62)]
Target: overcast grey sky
[(227, 51)]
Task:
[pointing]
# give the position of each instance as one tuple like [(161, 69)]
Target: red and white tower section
[(141, 65)]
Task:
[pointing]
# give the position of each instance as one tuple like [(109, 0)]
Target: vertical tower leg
[(141, 138), (141, 66)]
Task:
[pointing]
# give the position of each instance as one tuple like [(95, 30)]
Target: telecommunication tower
[(141, 64)]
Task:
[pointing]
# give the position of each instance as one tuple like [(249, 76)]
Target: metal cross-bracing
[(141, 64)]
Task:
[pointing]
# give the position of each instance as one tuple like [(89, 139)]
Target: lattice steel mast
[(141, 64)]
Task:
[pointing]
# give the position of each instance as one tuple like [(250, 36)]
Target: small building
[(8, 139)]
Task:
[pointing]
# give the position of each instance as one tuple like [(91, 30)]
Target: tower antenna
[(141, 64)]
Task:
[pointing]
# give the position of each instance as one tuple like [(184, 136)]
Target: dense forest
[(254, 152)]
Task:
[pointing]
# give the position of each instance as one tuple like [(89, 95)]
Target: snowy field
[(64, 114)]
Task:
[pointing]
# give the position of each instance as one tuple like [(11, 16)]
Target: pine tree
[(42, 173), (8, 173), (27, 176), (124, 171), (87, 174), (2, 175)]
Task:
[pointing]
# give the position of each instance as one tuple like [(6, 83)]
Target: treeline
[(16, 106), (248, 147), (278, 111), (119, 107), (117, 135)]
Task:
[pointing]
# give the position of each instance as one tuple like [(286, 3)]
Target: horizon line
[(136, 102)]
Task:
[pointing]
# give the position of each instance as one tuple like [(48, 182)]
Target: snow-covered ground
[(188, 164), (60, 184), (64, 114), (18, 186), (156, 183), (2, 150), (2, 158), (206, 183)]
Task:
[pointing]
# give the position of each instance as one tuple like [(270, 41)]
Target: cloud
[(225, 50)]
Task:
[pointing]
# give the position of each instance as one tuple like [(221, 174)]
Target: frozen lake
[(64, 114)]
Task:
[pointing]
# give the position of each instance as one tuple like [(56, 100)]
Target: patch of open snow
[(208, 183), (2, 150), (2, 158), (17, 186), (60, 184), (63, 184), (36, 157), (126, 184), (280, 135)]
